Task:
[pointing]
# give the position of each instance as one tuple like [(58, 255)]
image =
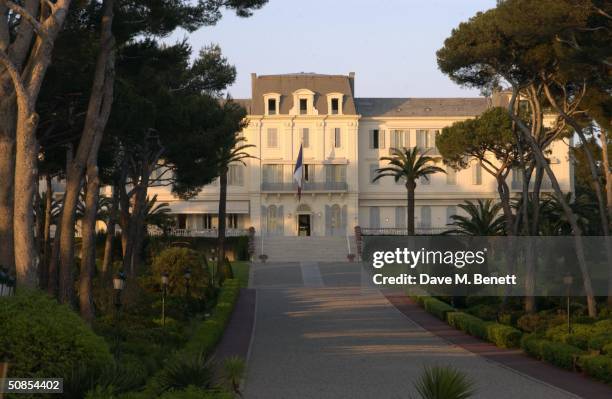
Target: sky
[(390, 44)]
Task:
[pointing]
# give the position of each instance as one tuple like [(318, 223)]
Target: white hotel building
[(343, 137)]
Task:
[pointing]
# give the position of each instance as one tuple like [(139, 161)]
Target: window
[(305, 137), (306, 172), (207, 221), (374, 217), (337, 137), (375, 139), (303, 106), (426, 139), (235, 175), (181, 221), (399, 139), (400, 217), (451, 176), (335, 107), (373, 168), (272, 138), (335, 173), (272, 106), (426, 216), (477, 174), (272, 173), (450, 212), (232, 221)]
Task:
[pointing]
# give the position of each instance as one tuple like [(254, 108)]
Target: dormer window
[(272, 103), (303, 103), (272, 106), (334, 103), (303, 106)]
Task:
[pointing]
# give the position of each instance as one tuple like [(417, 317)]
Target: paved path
[(320, 334)]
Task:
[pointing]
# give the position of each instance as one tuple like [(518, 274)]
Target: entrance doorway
[(303, 225)]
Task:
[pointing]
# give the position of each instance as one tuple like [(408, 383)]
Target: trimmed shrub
[(43, 338), (193, 392), (597, 366), (540, 322), (559, 354), (485, 312), (499, 334), (437, 307), (175, 261)]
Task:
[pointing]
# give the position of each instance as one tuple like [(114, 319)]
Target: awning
[(199, 207)]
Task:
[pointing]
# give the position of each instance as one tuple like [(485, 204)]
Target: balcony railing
[(398, 231), (198, 232), (308, 187)]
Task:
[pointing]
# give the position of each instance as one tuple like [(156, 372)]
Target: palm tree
[(484, 219), (408, 165), (234, 153), (158, 214)]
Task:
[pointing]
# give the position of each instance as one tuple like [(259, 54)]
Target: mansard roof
[(420, 107), (287, 84)]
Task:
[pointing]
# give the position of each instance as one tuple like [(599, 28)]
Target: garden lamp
[(568, 280), (118, 285)]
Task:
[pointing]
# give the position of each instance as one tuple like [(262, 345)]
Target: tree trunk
[(44, 275), (7, 179), (504, 198), (605, 164), (410, 188), (26, 172), (88, 257), (98, 110), (110, 234), (221, 272), (576, 232), (132, 250)]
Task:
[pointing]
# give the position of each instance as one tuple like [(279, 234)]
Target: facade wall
[(339, 193)]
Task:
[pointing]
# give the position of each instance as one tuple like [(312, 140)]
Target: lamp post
[(164, 281), (568, 280), (118, 286)]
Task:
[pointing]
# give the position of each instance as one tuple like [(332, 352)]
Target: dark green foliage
[(175, 261), (597, 366), (485, 312), (437, 307), (559, 354), (539, 322), (193, 392), (183, 371), (584, 336), (483, 219), (444, 383), (43, 338), (501, 335)]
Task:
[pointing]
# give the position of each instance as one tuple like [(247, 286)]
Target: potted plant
[(350, 257), (263, 258)]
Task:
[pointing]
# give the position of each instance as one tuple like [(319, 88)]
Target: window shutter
[(342, 174), (327, 220), (420, 138), (400, 217), (371, 139), (280, 221), (431, 142), (240, 175), (328, 174), (381, 138), (374, 217), (264, 218), (305, 137), (426, 216), (477, 174), (344, 219)]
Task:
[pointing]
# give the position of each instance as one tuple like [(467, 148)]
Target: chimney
[(351, 77), (253, 80)]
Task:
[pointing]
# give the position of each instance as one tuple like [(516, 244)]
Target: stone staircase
[(304, 249)]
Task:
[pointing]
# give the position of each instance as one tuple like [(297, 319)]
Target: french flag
[(298, 173)]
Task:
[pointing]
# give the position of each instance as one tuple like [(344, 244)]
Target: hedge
[(43, 338), (557, 353), (501, 335), (208, 333), (597, 366), (437, 307)]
